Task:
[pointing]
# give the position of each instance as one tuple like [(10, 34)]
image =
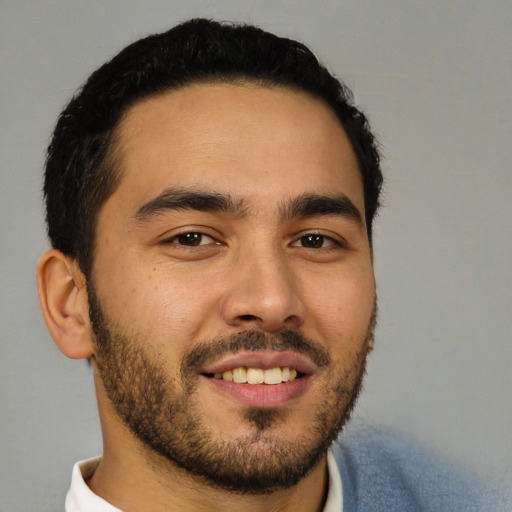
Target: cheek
[(342, 304), (160, 302)]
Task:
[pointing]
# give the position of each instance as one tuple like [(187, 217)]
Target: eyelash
[(315, 237), (199, 236)]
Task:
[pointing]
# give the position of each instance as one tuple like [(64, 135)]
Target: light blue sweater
[(382, 472)]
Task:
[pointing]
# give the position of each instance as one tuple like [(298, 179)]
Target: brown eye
[(192, 239), (313, 241)]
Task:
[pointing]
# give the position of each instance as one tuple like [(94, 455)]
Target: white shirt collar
[(334, 501), (81, 499)]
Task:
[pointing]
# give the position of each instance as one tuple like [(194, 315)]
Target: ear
[(63, 300)]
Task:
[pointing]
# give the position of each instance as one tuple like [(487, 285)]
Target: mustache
[(253, 341)]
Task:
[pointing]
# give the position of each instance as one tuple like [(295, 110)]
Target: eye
[(192, 239), (315, 241)]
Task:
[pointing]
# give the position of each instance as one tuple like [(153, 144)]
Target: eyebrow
[(306, 205), (183, 199), (312, 205)]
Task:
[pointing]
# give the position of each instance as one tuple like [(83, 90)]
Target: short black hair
[(81, 171)]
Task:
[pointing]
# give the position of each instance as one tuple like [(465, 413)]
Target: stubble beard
[(161, 411)]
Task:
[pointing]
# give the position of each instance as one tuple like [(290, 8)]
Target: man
[(210, 195)]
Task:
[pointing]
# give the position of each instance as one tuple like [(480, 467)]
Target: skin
[(264, 147)]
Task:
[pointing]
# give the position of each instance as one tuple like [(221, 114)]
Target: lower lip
[(262, 395)]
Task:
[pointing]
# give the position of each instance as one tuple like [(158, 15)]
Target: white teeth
[(239, 375), (227, 375), (254, 376), (243, 375), (273, 376)]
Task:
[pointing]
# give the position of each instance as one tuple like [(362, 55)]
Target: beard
[(161, 409)]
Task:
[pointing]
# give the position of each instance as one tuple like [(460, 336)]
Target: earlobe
[(63, 300)]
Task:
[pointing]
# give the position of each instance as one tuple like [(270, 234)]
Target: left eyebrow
[(312, 205)]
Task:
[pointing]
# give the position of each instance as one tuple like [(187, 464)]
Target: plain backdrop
[(436, 81)]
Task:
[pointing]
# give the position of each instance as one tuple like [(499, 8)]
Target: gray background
[(436, 80)]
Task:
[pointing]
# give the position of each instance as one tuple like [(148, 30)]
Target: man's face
[(236, 240)]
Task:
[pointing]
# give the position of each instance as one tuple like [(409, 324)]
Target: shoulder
[(382, 470)]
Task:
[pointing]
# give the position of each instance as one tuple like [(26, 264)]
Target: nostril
[(248, 318)]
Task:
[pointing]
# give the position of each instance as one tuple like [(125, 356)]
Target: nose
[(263, 293)]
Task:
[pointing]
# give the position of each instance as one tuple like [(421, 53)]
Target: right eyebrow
[(185, 199)]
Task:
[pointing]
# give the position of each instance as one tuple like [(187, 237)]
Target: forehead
[(247, 140)]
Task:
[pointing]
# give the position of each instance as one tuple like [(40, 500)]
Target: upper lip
[(264, 359)]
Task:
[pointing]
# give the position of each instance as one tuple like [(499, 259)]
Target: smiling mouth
[(270, 376)]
